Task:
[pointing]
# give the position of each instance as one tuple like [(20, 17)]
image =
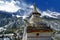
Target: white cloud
[(8, 6), (14, 6), (31, 6)]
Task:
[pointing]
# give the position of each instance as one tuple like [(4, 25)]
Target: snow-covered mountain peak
[(50, 14)]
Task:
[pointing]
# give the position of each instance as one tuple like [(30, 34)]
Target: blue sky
[(53, 5)]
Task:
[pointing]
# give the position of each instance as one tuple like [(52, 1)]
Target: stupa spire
[(35, 10)]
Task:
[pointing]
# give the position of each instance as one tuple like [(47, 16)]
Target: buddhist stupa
[(38, 30)]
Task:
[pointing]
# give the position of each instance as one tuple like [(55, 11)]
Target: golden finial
[(35, 10)]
